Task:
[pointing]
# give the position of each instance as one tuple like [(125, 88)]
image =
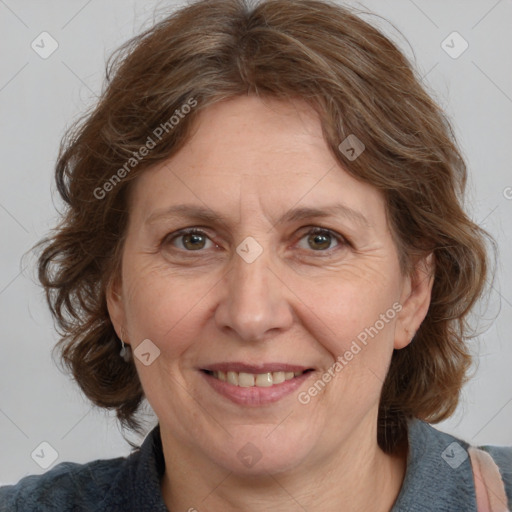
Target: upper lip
[(255, 368)]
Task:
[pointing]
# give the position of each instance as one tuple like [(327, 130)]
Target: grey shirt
[(438, 478)]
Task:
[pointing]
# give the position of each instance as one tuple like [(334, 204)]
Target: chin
[(260, 453)]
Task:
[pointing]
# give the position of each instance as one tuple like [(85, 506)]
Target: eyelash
[(315, 230)]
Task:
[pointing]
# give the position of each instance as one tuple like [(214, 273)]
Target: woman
[(264, 238)]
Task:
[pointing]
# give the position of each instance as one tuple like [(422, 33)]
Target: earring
[(125, 352)]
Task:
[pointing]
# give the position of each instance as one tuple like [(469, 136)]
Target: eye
[(321, 239), (190, 240), (193, 239)]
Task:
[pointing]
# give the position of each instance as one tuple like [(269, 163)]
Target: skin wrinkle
[(289, 305)]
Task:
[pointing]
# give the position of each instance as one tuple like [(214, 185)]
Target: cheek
[(335, 308), (164, 307), (349, 306)]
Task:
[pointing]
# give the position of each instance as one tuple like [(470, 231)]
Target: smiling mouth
[(261, 380)]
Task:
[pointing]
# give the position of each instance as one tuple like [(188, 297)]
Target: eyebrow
[(202, 214)]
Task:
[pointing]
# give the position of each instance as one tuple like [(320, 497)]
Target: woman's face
[(292, 269)]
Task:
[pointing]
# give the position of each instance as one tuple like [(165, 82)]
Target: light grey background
[(40, 97)]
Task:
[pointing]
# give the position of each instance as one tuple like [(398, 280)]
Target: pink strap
[(489, 486)]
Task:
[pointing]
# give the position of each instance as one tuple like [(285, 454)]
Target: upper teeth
[(247, 380)]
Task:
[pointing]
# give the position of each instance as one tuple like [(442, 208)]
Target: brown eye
[(321, 240), (192, 240)]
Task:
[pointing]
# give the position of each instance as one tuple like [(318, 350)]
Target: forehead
[(258, 155)]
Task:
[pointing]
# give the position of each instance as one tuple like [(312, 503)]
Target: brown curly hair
[(359, 83)]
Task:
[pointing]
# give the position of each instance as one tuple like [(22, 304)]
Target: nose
[(255, 302)]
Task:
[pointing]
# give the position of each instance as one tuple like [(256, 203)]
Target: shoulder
[(502, 456), (68, 486), (439, 474), (129, 483)]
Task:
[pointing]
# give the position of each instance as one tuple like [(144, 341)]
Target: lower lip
[(255, 396)]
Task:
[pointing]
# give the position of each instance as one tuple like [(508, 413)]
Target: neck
[(347, 480)]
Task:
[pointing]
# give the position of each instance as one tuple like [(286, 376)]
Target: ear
[(415, 300), (115, 307)]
